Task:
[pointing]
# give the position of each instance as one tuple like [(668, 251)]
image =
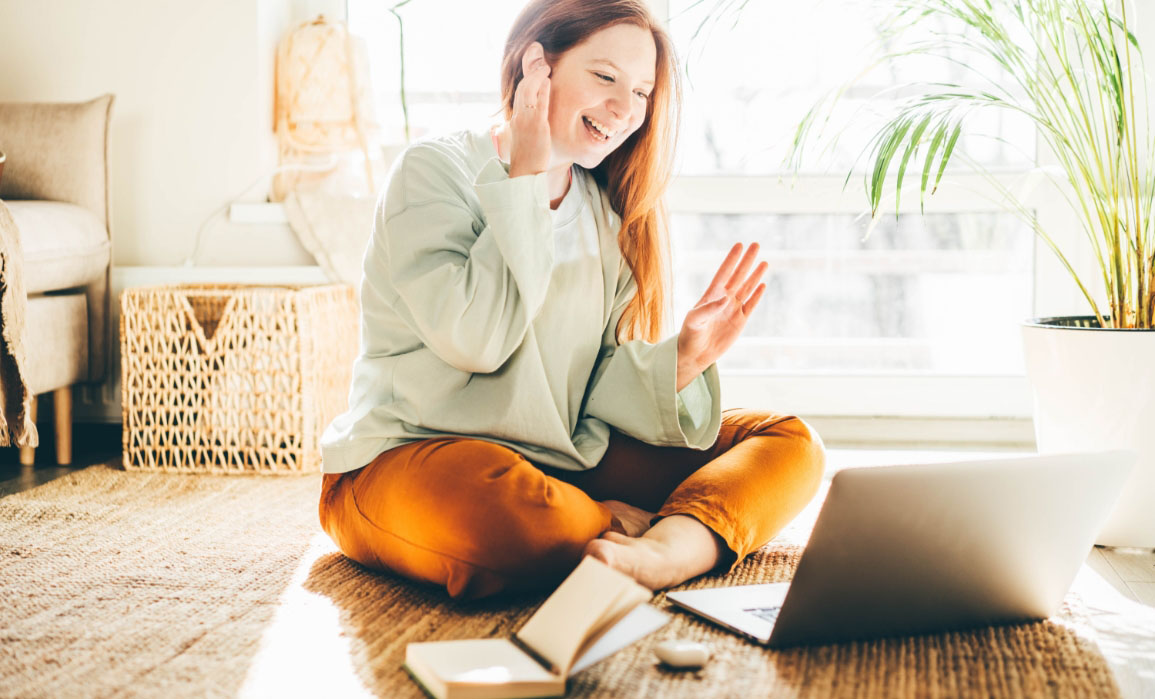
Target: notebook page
[(580, 603), (642, 621), (627, 601)]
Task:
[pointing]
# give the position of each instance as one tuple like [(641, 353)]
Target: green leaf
[(939, 135), (891, 135), (946, 155), (911, 147), (1131, 38)]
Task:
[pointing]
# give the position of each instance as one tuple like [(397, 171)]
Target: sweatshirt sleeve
[(633, 388), (468, 287)]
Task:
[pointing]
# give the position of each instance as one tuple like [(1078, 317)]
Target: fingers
[(732, 275), (531, 149), (748, 287), (748, 307), (723, 274), (743, 268), (534, 82), (543, 92)]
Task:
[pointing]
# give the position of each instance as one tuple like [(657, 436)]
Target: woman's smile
[(598, 133)]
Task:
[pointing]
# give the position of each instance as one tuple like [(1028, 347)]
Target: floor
[(1117, 584), (91, 444)]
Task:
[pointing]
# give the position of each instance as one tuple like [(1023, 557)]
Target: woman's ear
[(530, 56)]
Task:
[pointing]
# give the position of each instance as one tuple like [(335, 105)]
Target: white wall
[(193, 118)]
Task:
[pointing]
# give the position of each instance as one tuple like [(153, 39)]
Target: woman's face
[(600, 87)]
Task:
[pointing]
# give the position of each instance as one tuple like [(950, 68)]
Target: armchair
[(55, 185)]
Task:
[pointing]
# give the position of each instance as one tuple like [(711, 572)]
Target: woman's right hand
[(529, 125)]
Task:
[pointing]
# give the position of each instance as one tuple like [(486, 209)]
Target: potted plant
[(1075, 71)]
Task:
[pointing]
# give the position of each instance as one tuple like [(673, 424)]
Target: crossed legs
[(478, 518)]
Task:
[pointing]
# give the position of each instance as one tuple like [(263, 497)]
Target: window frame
[(926, 394), (901, 401), (889, 394)]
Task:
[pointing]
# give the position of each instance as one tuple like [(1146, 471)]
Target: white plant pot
[(1094, 389)]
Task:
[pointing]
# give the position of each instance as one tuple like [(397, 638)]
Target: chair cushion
[(57, 341), (64, 245)]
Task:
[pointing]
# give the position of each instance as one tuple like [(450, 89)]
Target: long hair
[(636, 174)]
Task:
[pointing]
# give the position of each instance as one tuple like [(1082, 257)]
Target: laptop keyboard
[(767, 613)]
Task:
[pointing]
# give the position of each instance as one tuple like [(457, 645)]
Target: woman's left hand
[(719, 317)]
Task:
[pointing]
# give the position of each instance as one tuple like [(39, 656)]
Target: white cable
[(319, 167)]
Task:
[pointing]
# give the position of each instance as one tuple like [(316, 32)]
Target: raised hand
[(715, 322), (529, 125)]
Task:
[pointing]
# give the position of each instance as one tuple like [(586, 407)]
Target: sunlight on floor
[(305, 651), (1123, 628)]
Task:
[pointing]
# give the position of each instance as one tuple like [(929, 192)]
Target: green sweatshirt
[(486, 314)]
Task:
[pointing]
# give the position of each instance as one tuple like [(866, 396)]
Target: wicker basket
[(220, 378)]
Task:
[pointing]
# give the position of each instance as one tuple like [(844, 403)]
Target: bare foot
[(674, 550), (635, 520), (641, 559)]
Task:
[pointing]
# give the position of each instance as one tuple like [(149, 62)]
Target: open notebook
[(593, 613)]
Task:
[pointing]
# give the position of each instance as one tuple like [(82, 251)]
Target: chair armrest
[(57, 151)]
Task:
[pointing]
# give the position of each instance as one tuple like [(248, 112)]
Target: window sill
[(966, 434), (870, 395)]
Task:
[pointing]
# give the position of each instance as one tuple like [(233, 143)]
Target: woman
[(512, 408)]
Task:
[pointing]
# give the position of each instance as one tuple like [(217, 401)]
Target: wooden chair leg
[(62, 412), (28, 454)]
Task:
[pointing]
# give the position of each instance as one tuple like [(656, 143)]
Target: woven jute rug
[(148, 584)]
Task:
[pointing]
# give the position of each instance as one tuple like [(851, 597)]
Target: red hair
[(636, 174)]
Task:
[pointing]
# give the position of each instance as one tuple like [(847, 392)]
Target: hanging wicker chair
[(323, 103)]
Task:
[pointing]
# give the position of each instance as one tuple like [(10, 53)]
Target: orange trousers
[(478, 518)]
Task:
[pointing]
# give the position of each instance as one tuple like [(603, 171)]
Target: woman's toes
[(634, 520), (602, 550), (616, 537)]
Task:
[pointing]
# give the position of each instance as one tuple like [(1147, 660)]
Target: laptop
[(912, 549)]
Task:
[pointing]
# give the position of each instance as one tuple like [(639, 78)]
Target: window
[(453, 54), (905, 300), (920, 318)]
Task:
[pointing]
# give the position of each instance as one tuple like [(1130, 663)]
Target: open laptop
[(900, 550)]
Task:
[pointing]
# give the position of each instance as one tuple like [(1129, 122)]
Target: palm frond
[(1071, 72)]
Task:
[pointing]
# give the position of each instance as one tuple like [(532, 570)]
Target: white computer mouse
[(682, 653)]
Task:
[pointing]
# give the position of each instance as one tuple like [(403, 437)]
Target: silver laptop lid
[(910, 549)]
